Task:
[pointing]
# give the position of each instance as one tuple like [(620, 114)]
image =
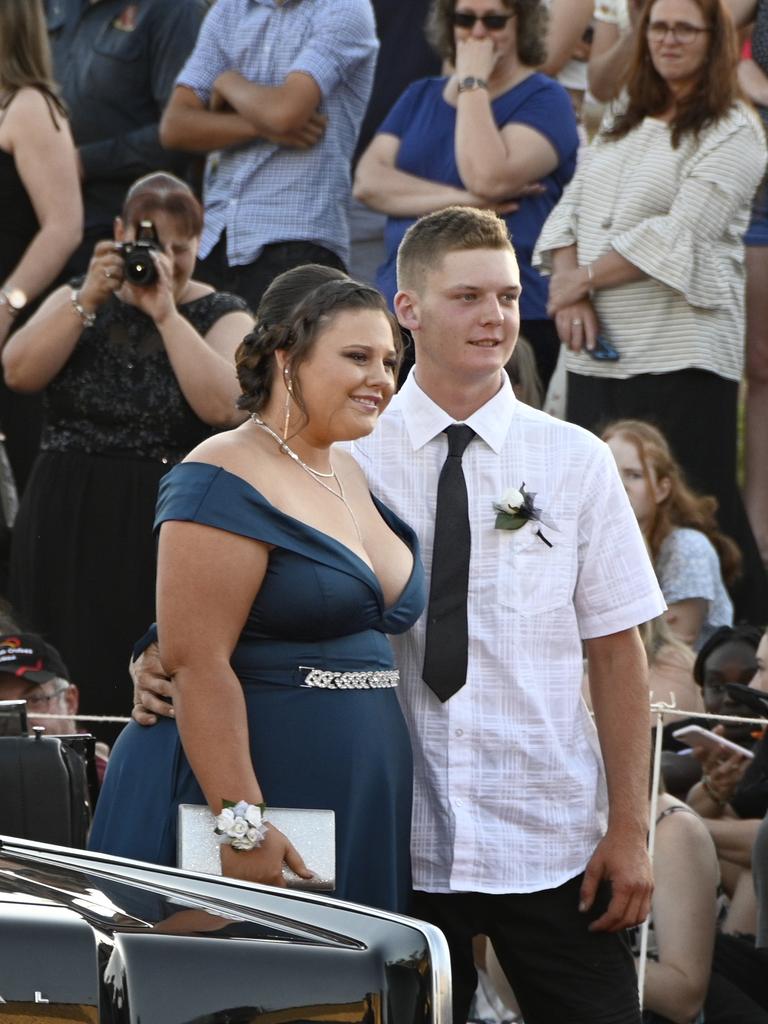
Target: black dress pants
[(561, 973), (251, 280)]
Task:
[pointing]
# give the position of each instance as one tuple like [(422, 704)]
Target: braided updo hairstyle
[(296, 307)]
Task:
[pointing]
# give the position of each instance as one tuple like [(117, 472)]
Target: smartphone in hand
[(696, 736), (604, 350)]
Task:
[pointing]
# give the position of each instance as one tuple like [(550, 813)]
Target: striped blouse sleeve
[(561, 226), (680, 249)]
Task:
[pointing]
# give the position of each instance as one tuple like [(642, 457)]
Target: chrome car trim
[(197, 890)]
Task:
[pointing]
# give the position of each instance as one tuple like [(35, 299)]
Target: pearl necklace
[(314, 474)]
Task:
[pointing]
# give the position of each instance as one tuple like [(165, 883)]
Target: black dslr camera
[(138, 265)]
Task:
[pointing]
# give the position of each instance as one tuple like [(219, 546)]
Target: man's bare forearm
[(200, 131), (271, 109), (618, 681)]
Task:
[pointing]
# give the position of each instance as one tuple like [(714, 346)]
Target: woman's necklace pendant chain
[(289, 451), (314, 474)]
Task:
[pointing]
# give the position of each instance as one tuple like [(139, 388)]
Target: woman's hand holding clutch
[(264, 864)]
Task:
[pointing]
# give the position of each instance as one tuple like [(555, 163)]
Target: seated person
[(694, 561), (683, 914), (682, 982), (732, 796), (670, 669), (32, 670), (760, 849)]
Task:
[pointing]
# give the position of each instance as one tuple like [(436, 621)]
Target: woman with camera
[(135, 375)]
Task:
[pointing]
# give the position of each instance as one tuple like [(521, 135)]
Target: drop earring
[(288, 397)]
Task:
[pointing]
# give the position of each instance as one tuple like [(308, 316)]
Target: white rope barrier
[(656, 707), (671, 709), (81, 718)]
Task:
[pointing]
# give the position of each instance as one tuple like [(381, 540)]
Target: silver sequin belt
[(323, 679)]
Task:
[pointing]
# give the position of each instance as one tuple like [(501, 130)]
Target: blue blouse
[(426, 127)]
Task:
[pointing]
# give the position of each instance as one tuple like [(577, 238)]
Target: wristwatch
[(14, 298), (470, 83)]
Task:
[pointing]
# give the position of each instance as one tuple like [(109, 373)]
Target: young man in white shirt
[(517, 828)]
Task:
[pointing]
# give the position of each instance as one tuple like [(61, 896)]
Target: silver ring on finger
[(576, 323), (107, 273)]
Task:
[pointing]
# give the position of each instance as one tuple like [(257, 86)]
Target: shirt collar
[(424, 419)]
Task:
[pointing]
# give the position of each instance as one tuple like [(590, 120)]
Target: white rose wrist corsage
[(242, 823)]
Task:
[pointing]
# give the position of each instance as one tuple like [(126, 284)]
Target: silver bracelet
[(88, 319)]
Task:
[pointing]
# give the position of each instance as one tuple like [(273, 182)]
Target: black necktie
[(445, 655)]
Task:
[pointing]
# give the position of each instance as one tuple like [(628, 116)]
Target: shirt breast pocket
[(534, 578), (124, 45)]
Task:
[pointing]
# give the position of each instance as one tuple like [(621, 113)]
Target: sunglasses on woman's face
[(493, 22)]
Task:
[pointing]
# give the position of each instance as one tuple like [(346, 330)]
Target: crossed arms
[(241, 111)]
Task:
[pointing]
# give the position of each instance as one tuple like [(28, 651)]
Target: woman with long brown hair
[(646, 251), (40, 208), (692, 558)]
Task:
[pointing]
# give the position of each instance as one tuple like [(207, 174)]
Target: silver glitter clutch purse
[(312, 832)]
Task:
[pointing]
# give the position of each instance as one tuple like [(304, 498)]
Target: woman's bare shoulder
[(240, 451), (31, 106)]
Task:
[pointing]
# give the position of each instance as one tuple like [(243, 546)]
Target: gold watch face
[(16, 299)]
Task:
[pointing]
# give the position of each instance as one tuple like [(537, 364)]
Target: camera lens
[(140, 268)]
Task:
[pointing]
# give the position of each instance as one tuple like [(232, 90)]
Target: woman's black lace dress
[(83, 554)]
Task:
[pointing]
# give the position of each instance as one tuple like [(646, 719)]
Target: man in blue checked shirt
[(275, 92)]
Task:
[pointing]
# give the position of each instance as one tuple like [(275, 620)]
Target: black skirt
[(83, 567)]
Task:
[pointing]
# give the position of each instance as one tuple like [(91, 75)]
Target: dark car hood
[(122, 941)]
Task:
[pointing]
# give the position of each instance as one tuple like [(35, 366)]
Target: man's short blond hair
[(453, 229)]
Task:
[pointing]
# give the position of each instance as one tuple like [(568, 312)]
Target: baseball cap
[(28, 656)]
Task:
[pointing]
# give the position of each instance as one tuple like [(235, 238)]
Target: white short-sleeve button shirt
[(509, 792)]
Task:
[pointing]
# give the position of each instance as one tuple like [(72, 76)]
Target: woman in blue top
[(493, 134), (279, 578)]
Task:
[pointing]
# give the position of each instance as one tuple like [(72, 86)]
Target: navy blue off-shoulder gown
[(321, 606)]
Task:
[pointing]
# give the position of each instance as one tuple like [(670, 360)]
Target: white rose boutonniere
[(518, 507), (511, 502)]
